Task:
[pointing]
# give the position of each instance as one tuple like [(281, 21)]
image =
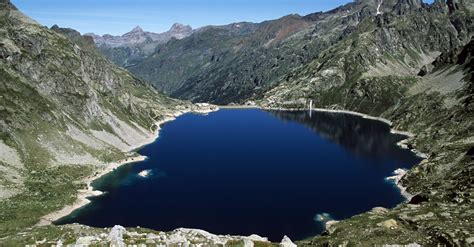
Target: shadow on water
[(248, 171), (358, 135)]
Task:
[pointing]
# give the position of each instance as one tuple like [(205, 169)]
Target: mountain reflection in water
[(360, 136), (248, 171)]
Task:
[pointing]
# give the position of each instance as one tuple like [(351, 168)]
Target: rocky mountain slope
[(424, 84), (242, 61), (438, 107), (406, 61), (379, 60), (66, 113), (225, 64), (137, 44)]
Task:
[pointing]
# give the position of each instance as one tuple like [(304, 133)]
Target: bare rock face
[(116, 236), (180, 31), (399, 7), (406, 6)]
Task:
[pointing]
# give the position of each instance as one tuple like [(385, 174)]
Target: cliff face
[(65, 112)]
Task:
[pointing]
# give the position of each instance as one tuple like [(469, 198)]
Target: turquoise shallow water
[(242, 172)]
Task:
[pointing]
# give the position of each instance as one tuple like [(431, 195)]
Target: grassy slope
[(444, 214), (441, 115), (49, 84)]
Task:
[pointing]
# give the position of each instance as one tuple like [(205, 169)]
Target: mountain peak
[(137, 29), (135, 32), (178, 27)]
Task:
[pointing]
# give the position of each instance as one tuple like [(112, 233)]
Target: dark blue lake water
[(245, 172)]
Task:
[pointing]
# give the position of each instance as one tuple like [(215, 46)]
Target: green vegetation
[(263, 244), (54, 92), (235, 243), (57, 92), (46, 190)]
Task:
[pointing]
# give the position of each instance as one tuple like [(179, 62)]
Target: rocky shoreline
[(121, 236), (200, 108), (186, 236), (84, 194), (398, 173), (396, 178)]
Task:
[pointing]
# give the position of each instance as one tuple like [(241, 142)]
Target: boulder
[(116, 236), (390, 224), (286, 242)]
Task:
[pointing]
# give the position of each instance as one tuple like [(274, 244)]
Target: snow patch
[(378, 8)]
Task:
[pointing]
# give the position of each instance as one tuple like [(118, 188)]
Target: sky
[(120, 16)]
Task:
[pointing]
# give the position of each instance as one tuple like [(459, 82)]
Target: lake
[(250, 171)]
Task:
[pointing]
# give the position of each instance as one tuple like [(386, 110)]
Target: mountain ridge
[(66, 114), (137, 35), (132, 46), (213, 71), (66, 111), (399, 61)]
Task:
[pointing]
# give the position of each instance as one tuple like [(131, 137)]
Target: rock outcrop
[(286, 242), (116, 236)]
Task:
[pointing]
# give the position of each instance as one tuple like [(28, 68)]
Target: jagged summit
[(143, 42), (178, 27), (136, 32), (137, 29)]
